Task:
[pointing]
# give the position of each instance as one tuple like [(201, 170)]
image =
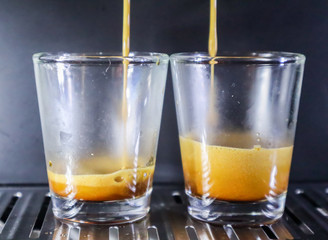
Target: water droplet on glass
[(118, 179), (150, 162), (64, 137), (258, 139), (257, 147)]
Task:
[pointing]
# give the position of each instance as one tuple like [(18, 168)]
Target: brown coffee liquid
[(125, 53), (212, 40), (101, 179), (235, 174), (212, 50)]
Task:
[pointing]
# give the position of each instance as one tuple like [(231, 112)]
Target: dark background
[(31, 26)]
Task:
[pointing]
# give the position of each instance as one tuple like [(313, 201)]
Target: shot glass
[(237, 117), (100, 117)]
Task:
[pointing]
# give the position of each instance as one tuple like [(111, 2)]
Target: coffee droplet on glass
[(118, 179)]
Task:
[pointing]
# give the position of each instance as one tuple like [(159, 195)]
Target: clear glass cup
[(237, 117), (100, 116)]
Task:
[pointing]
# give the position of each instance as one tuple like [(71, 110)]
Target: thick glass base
[(237, 213), (107, 212)]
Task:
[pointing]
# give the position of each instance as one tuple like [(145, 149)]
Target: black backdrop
[(167, 26)]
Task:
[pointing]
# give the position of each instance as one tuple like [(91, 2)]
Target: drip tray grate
[(25, 213)]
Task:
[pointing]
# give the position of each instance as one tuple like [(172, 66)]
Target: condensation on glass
[(99, 156), (237, 132)]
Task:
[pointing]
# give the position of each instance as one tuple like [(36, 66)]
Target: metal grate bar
[(269, 232), (207, 231), (74, 233), (156, 218), (26, 215), (20, 221), (61, 232), (216, 233), (114, 233), (323, 198), (309, 224), (231, 232), (36, 230), (131, 231), (176, 224), (307, 213), (152, 233), (5, 209), (281, 231), (317, 201), (33, 202), (173, 216), (251, 233), (88, 232), (293, 227), (192, 233), (48, 226)]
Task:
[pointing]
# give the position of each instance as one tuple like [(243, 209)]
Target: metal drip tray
[(25, 213)]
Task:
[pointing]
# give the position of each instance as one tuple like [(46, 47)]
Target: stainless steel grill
[(25, 213)]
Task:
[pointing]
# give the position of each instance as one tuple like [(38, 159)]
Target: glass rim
[(256, 57), (100, 57)]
